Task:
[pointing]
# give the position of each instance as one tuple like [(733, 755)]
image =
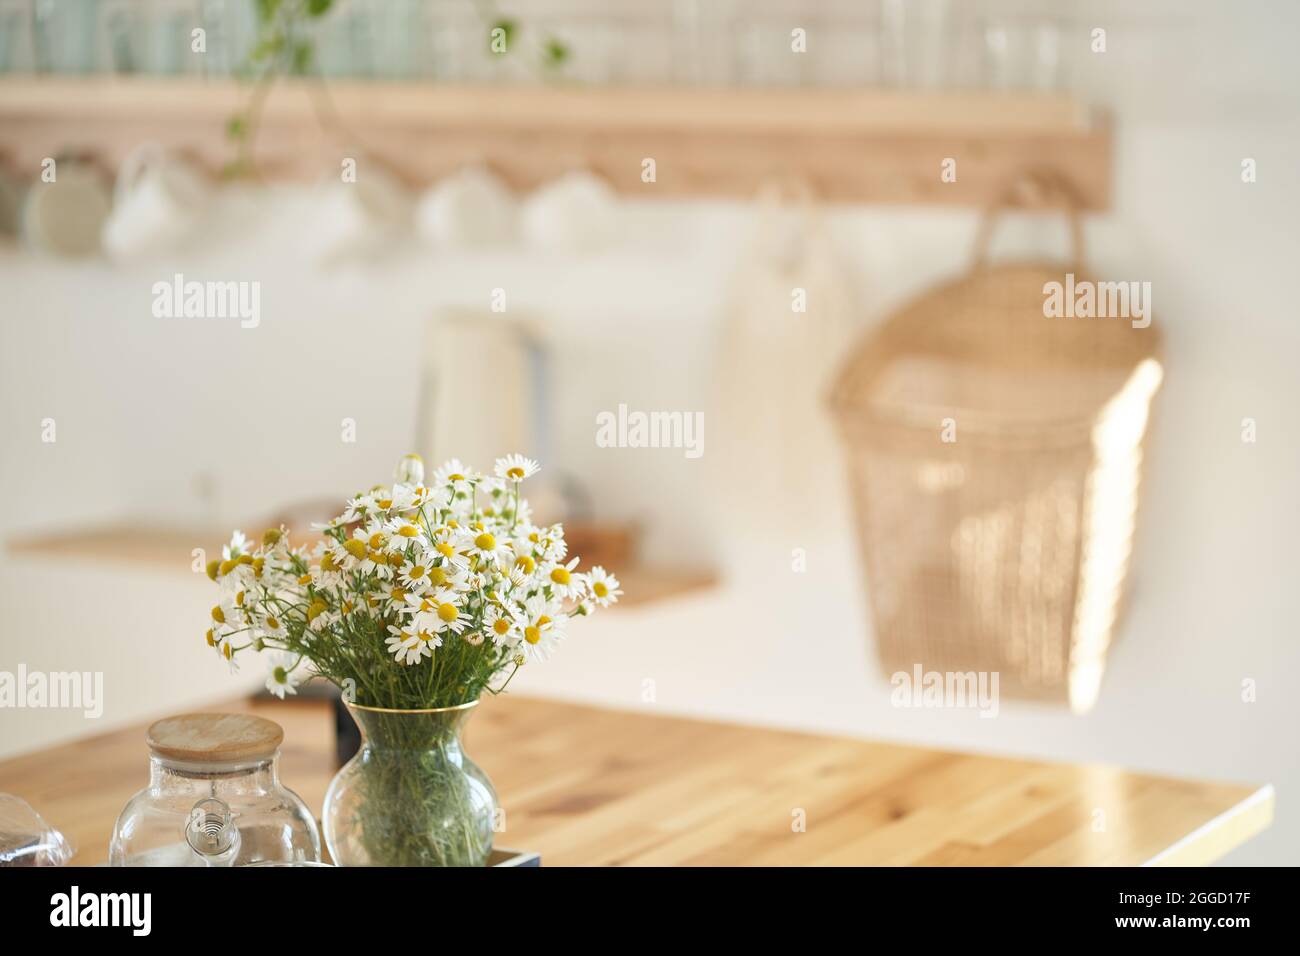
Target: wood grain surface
[(590, 786)]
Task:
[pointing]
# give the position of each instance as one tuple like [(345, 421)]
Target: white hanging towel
[(778, 472)]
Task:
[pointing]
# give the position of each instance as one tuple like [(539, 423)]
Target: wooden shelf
[(172, 549), (848, 145)]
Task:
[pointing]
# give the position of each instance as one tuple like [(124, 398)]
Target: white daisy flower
[(539, 627), (270, 626), (416, 574), (515, 468), (283, 675), (393, 500), (446, 615), (226, 651), (410, 470), (564, 583), (411, 645), (603, 587), (502, 626), (473, 638), (238, 545), (449, 543), (481, 543), (455, 473), (402, 533), (540, 631)]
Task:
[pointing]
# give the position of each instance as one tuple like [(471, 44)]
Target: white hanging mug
[(157, 201), (472, 207), (575, 213), (63, 215), (356, 219)]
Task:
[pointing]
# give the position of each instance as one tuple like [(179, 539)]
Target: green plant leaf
[(555, 52), (303, 52), (237, 126), (317, 8)]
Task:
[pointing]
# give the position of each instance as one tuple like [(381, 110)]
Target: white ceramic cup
[(65, 216), (157, 202), (356, 219), (470, 208), (575, 213)]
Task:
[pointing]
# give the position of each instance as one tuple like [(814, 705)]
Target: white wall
[(143, 405)]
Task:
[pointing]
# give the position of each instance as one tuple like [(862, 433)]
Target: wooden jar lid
[(214, 738)]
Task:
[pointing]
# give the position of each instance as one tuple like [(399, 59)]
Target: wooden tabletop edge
[(1220, 835)]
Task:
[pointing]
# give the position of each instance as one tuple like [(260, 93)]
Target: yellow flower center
[(398, 594), (272, 622), (532, 634), (279, 675), (446, 550), (239, 599), (485, 542), (438, 576), (517, 474), (315, 610), (385, 503), (271, 537), (214, 567), (408, 531), (527, 563), (599, 589), (227, 566), (447, 613), (560, 576), (305, 579), (425, 636), (376, 541), (218, 615), (327, 562), (355, 547), (211, 638), (417, 572), (456, 477), (228, 651), (259, 564), (500, 625)]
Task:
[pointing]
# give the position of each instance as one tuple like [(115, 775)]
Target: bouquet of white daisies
[(419, 595)]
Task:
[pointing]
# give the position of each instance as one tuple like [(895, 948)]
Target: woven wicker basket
[(994, 455)]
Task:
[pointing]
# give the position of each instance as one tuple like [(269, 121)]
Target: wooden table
[(593, 786)]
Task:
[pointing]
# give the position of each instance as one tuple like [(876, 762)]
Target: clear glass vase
[(410, 797)]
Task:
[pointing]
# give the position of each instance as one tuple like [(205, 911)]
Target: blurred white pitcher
[(157, 202)]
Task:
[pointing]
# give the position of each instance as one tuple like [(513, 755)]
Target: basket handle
[(1041, 187)]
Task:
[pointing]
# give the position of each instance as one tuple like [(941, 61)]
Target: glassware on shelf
[(65, 36), (915, 43), (1022, 55), (214, 798)]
